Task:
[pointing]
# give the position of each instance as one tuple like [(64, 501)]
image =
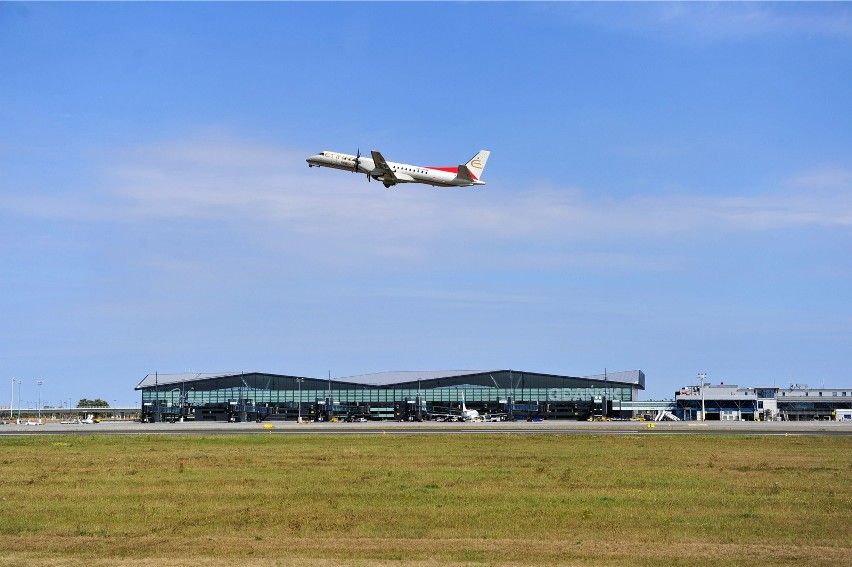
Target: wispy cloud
[(228, 178), (715, 21), (223, 179)]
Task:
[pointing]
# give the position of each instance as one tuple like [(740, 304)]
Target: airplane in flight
[(390, 173)]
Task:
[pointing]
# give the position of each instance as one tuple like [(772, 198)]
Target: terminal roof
[(158, 379), (380, 379), (404, 376)]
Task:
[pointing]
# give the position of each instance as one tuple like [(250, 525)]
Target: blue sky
[(669, 189)]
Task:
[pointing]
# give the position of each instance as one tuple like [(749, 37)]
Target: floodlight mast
[(702, 376), (299, 410)]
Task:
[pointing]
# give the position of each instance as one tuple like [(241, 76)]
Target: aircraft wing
[(382, 165)]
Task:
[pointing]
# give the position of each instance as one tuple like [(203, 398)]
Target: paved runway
[(437, 428)]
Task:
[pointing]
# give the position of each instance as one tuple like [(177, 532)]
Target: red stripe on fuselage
[(452, 170)]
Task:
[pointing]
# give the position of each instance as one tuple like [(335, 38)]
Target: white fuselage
[(470, 415), (402, 172)]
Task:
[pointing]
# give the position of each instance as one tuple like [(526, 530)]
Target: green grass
[(425, 499)]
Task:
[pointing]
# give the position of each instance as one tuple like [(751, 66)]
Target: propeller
[(357, 161)]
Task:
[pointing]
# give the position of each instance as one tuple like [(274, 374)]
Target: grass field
[(425, 500)]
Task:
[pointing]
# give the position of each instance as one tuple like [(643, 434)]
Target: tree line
[(98, 403)]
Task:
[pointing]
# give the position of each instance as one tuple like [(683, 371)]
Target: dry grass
[(425, 500)]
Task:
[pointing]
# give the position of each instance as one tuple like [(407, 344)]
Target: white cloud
[(223, 179), (834, 179), (228, 178), (714, 21)]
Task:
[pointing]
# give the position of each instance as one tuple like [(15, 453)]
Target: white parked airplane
[(462, 414), (391, 173), (469, 414)]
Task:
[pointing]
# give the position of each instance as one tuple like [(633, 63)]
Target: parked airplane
[(78, 421), (462, 414), (391, 173), (469, 414)]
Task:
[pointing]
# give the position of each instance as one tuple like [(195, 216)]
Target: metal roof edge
[(637, 377)]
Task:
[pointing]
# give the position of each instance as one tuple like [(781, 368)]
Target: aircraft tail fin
[(477, 163)]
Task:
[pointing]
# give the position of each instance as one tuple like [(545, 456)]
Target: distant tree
[(98, 403)]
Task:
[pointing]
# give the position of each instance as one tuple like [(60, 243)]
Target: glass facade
[(271, 389), (263, 395), (385, 395)]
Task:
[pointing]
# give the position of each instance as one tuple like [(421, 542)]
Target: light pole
[(12, 403), (19, 399), (300, 380), (702, 376), (40, 382)]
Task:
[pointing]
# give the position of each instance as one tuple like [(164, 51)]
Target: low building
[(729, 402), (716, 402), (800, 402)]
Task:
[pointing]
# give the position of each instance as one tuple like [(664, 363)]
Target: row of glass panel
[(445, 395)]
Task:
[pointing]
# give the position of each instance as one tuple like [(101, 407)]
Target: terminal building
[(722, 402), (407, 396)]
